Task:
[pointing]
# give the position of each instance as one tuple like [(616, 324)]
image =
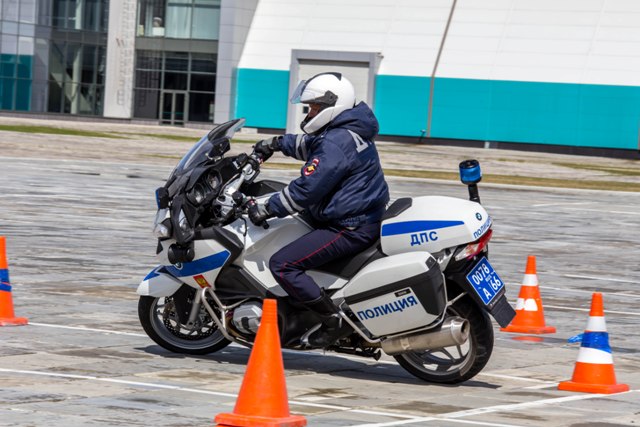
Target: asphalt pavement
[(77, 214)]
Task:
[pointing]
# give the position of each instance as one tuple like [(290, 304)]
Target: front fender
[(158, 284)]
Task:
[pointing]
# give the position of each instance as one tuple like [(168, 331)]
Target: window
[(179, 19), (76, 78), (86, 15), (163, 73)]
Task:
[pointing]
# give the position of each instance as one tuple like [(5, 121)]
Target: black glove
[(267, 147), (259, 212)]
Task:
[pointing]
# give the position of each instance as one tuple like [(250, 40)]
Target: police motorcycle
[(422, 294)]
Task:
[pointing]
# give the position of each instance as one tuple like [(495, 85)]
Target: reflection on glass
[(177, 103), (179, 19), (146, 103)]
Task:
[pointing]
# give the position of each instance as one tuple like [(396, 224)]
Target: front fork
[(195, 309)]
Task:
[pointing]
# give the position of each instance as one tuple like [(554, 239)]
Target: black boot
[(333, 327)]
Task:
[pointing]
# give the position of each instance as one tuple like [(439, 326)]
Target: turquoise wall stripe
[(486, 110), (262, 97), (544, 113), (401, 104)]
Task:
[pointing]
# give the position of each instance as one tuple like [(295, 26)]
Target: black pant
[(314, 249)]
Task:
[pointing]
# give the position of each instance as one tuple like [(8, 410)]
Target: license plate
[(485, 281)]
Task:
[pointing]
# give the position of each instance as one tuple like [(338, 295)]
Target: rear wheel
[(160, 320), (456, 364)]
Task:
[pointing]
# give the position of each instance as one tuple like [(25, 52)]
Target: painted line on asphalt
[(82, 328), (545, 205), (195, 390), (455, 416), (589, 292), (317, 353), (608, 279), (408, 419), (428, 419), (560, 307), (635, 213)]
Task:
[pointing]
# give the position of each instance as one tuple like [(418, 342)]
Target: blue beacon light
[(470, 175)]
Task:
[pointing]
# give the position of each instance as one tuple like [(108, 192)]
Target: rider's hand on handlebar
[(267, 147), (259, 212)]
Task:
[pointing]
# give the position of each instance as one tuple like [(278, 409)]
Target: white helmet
[(332, 92)]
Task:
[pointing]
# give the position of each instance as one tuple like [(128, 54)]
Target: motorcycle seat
[(349, 266)]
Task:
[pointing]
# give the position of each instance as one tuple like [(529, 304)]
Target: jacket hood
[(359, 119)]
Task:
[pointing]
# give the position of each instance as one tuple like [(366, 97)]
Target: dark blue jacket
[(341, 182)]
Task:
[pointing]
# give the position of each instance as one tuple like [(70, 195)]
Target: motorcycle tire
[(164, 328), (454, 365)]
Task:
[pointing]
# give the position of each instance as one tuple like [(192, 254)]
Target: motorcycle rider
[(341, 186)]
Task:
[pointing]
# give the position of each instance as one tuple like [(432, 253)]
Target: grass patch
[(183, 138), (180, 138), (57, 131), (607, 169), (497, 179), (163, 156), (523, 180)]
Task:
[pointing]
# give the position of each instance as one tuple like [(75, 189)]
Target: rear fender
[(158, 283)]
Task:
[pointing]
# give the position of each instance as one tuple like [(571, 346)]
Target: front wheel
[(160, 320), (452, 365)]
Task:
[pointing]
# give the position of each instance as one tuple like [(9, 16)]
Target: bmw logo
[(478, 216)]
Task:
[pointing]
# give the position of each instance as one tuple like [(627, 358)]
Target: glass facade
[(77, 56), (179, 19), (53, 57), (18, 19), (175, 86)]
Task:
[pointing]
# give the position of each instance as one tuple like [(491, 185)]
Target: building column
[(121, 40)]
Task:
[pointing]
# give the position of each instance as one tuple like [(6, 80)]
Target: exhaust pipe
[(453, 331)]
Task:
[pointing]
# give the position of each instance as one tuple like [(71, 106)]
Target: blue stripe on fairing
[(5, 287), (199, 266), (596, 340), (153, 273), (4, 276), (416, 226)]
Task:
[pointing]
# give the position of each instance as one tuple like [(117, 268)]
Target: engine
[(246, 318)]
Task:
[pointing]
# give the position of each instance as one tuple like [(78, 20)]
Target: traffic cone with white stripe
[(529, 312), (594, 371), (7, 316)]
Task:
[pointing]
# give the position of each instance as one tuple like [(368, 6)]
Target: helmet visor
[(297, 93)]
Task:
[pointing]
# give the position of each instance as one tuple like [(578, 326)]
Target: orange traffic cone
[(529, 312), (7, 317), (594, 372), (263, 401)]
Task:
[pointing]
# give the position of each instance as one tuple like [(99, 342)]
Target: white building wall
[(235, 20), (568, 41), (407, 32)]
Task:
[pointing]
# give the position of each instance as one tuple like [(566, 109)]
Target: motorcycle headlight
[(161, 225), (161, 231), (183, 223)]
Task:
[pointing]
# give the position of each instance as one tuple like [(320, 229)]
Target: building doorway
[(173, 108)]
